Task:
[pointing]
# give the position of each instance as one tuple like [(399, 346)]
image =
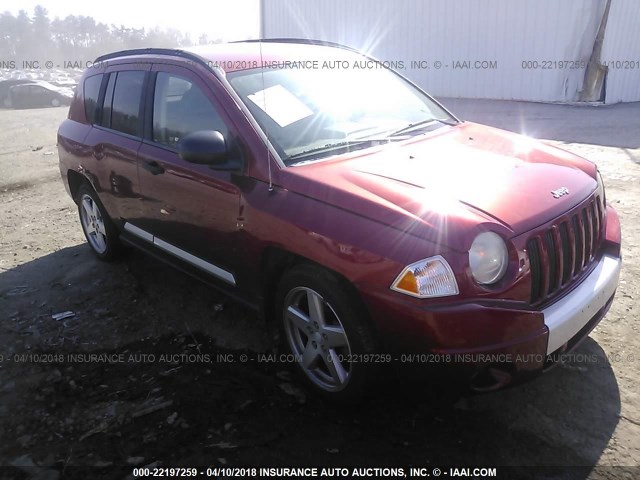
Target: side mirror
[(207, 147)]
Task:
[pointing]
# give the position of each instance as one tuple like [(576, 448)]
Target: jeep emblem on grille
[(562, 191)]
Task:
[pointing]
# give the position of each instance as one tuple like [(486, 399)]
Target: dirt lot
[(58, 411)]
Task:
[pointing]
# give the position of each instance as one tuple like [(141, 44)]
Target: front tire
[(99, 230), (327, 331)]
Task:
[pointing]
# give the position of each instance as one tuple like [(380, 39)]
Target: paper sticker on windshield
[(281, 105)]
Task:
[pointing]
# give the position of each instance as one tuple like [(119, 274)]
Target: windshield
[(309, 114)]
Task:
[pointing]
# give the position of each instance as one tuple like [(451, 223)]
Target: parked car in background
[(61, 79), (63, 82), (5, 85), (39, 94), (331, 194)]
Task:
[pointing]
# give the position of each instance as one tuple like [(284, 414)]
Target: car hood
[(443, 184)]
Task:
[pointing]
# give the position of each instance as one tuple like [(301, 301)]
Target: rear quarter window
[(91, 94)]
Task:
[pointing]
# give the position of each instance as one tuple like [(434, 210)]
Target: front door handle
[(152, 166)]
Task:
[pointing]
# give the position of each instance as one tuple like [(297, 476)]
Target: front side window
[(37, 92), (307, 113), (180, 108)]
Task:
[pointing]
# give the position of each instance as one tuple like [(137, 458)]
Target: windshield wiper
[(361, 142), (422, 123), (335, 146)]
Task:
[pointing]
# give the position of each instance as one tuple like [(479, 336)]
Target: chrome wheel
[(93, 224), (317, 339)]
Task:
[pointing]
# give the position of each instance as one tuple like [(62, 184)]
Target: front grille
[(561, 253)]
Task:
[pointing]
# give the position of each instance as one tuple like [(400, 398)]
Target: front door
[(190, 210)]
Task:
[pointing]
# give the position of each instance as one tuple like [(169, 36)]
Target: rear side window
[(91, 94), (179, 108), (122, 102)]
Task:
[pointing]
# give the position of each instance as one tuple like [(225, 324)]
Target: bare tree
[(75, 38)]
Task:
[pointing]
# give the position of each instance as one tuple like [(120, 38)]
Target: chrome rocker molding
[(568, 316), (177, 252), (138, 232)]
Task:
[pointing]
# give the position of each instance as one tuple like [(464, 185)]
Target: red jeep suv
[(319, 187)]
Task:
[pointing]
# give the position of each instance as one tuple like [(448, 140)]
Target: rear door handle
[(152, 166)]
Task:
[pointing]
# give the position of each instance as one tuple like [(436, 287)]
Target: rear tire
[(99, 230), (327, 330)]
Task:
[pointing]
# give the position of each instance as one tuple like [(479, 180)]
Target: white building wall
[(505, 32), (621, 51)]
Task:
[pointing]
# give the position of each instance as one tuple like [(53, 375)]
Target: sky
[(224, 19)]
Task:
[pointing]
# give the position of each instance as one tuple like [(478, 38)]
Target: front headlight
[(431, 277), (488, 258), (601, 187)]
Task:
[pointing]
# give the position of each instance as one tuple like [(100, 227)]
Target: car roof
[(248, 54), (235, 56), (42, 83), (17, 81)]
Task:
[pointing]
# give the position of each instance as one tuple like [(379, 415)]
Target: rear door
[(191, 210), (116, 137), (35, 96)]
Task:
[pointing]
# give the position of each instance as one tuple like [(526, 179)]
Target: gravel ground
[(180, 395)]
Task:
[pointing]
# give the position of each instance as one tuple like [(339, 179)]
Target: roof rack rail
[(306, 41), (153, 51)]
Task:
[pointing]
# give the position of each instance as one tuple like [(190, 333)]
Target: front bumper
[(509, 343), (569, 315)]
